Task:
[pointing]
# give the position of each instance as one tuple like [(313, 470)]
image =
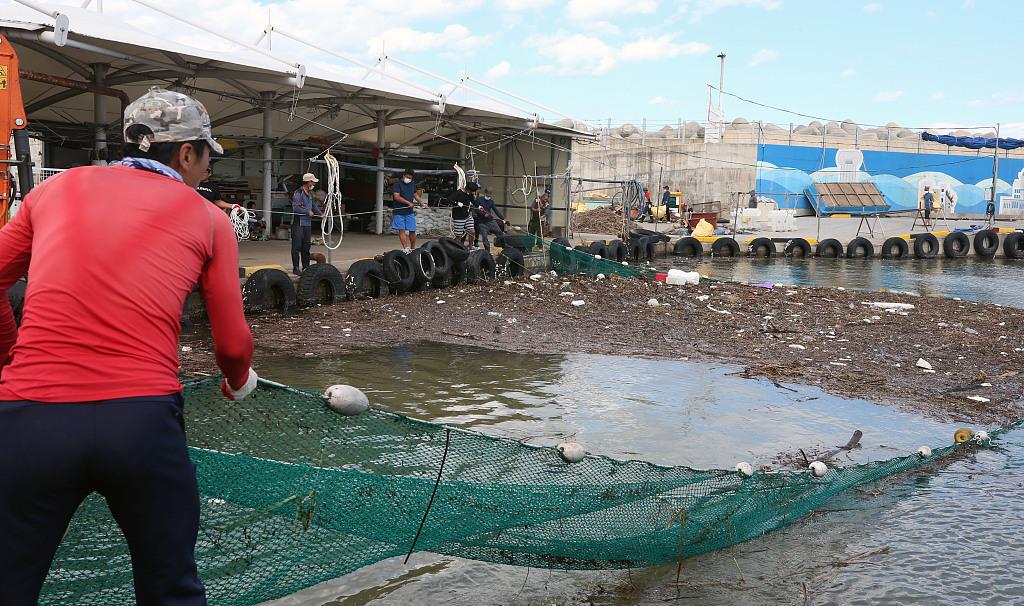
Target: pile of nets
[(293, 494), (599, 221)]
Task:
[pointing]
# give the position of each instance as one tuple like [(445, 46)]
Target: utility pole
[(721, 80)]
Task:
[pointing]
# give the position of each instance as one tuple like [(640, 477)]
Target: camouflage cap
[(172, 116)]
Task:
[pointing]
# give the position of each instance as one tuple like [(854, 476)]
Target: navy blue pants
[(301, 239), (132, 451)]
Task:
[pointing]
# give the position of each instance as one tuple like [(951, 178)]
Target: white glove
[(243, 391), (460, 204)]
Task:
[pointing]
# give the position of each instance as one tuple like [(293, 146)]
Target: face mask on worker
[(406, 180)]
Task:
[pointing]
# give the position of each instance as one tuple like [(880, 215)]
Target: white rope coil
[(332, 204), (240, 218), (461, 176)]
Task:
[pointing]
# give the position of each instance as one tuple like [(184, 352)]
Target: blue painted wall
[(791, 169)]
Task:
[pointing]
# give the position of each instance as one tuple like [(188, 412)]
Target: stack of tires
[(439, 264), (643, 243)]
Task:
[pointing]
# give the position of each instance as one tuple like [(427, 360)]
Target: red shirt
[(111, 254)]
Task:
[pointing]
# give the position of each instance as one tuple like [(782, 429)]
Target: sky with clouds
[(914, 62)]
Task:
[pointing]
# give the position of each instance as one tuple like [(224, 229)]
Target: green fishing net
[(292, 494), (567, 260)]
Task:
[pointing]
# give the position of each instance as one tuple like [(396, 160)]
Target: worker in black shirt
[(208, 189), (463, 201), (488, 215)]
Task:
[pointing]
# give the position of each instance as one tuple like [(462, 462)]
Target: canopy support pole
[(99, 116), (268, 155), (379, 200)]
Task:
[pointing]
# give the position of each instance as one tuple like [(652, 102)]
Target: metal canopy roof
[(234, 85)]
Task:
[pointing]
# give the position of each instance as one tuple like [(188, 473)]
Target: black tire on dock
[(599, 248), (798, 247), (830, 248), (617, 251), (956, 245), (563, 242), (761, 247), (688, 247), (661, 237), (397, 268), (479, 267), (986, 243), (456, 250), (322, 284), (365, 280), (422, 267), (895, 248), (860, 248), (513, 260), (442, 262), (926, 246), (458, 275), (651, 247), (1013, 245), (268, 289), (725, 247), (637, 249), (442, 281)]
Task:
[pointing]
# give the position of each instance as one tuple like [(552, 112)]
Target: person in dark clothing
[(404, 200), (304, 208), (540, 206), (463, 201), (208, 189), (488, 215), (666, 201), (929, 202)]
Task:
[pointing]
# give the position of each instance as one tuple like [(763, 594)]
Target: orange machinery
[(13, 124)]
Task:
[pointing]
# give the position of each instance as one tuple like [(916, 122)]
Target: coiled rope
[(240, 218), (332, 203)]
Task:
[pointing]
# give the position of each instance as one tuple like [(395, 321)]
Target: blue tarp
[(973, 142)]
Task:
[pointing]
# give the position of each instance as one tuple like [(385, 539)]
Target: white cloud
[(873, 7), (580, 54), (998, 100), (499, 70), (522, 5), (1012, 129), (596, 9), (938, 96), (968, 3), (887, 96), (848, 73), (662, 47), (763, 56), (659, 100), (405, 39), (600, 28), (698, 9), (576, 54), (695, 48)]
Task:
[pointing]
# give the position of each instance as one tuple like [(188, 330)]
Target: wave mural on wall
[(785, 172)]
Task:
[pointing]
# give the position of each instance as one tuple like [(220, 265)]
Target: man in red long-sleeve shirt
[(89, 395)]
